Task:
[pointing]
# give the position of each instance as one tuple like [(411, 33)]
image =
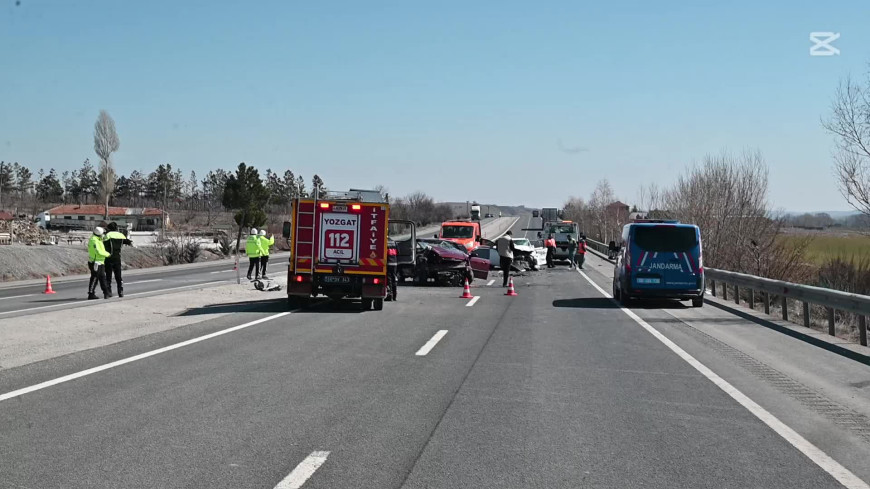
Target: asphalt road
[(555, 388)]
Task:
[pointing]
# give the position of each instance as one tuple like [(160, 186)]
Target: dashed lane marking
[(425, 349), (303, 471), (490, 282), (472, 301)]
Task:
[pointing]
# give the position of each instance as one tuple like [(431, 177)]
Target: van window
[(457, 232), (665, 238)]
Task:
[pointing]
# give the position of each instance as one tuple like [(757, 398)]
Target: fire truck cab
[(338, 242)]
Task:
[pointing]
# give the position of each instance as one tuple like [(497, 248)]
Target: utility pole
[(163, 214)]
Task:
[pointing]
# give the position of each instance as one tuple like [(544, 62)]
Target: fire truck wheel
[(366, 304), (379, 304)]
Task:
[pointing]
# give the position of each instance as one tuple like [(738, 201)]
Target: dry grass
[(826, 246)]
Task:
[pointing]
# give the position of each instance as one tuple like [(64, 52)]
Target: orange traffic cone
[(466, 294), (48, 289), (511, 292)]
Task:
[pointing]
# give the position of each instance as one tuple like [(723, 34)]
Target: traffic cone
[(511, 292), (48, 289), (466, 294)]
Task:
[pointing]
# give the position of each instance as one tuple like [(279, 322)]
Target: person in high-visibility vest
[(254, 250), (265, 244), (113, 240), (550, 243), (97, 255)]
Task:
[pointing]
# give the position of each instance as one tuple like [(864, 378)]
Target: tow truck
[(338, 242)]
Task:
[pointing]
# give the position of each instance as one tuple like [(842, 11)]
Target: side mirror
[(286, 230)]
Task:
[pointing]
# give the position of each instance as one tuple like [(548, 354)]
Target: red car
[(447, 264)]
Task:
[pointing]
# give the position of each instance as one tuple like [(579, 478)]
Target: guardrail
[(831, 300)]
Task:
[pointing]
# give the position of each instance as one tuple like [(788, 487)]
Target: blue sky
[(463, 100)]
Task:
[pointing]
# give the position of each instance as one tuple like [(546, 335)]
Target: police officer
[(113, 240), (392, 269), (265, 244), (254, 250), (97, 255)]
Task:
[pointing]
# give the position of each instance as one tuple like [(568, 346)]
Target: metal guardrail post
[(862, 330), (784, 308), (806, 314), (831, 324), (724, 291), (766, 303), (751, 299), (713, 287), (736, 294)]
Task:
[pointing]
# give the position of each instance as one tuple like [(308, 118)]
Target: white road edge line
[(15, 297), (425, 349), (144, 281), (303, 471), (118, 363), (487, 284), (472, 301), (814, 453), (84, 303), (222, 271)]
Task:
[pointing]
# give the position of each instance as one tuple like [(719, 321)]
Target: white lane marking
[(490, 282), (472, 301), (303, 471), (15, 297), (117, 363), (144, 281), (222, 271), (93, 303), (814, 453), (425, 349)]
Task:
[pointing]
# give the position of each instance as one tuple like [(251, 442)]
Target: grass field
[(826, 246)]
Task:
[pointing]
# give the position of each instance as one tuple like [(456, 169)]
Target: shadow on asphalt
[(269, 305), (74, 299), (586, 303), (605, 303)]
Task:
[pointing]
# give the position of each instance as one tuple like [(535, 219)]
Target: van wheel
[(624, 300), (616, 293), (698, 302)]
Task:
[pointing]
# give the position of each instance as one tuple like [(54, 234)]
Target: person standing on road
[(581, 250), (113, 241), (505, 247), (392, 269), (550, 243), (97, 255), (572, 251), (265, 244), (254, 250)]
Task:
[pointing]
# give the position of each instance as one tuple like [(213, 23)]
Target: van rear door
[(665, 257)]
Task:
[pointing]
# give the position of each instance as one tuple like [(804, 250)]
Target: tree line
[(165, 186)]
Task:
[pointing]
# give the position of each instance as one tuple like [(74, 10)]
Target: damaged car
[(446, 263)]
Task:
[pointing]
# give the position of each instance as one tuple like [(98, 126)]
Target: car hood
[(449, 254)]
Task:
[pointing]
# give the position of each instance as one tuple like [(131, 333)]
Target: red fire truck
[(338, 242)]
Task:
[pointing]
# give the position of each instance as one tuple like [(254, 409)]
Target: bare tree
[(850, 123), (602, 221), (106, 142)]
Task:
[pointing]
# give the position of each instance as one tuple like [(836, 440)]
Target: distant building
[(73, 216)]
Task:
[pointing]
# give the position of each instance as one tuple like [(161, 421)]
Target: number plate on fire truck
[(336, 279)]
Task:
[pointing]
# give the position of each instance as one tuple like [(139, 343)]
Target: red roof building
[(74, 216)]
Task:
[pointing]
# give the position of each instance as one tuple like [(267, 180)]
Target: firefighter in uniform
[(392, 269), (113, 241), (97, 255)]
